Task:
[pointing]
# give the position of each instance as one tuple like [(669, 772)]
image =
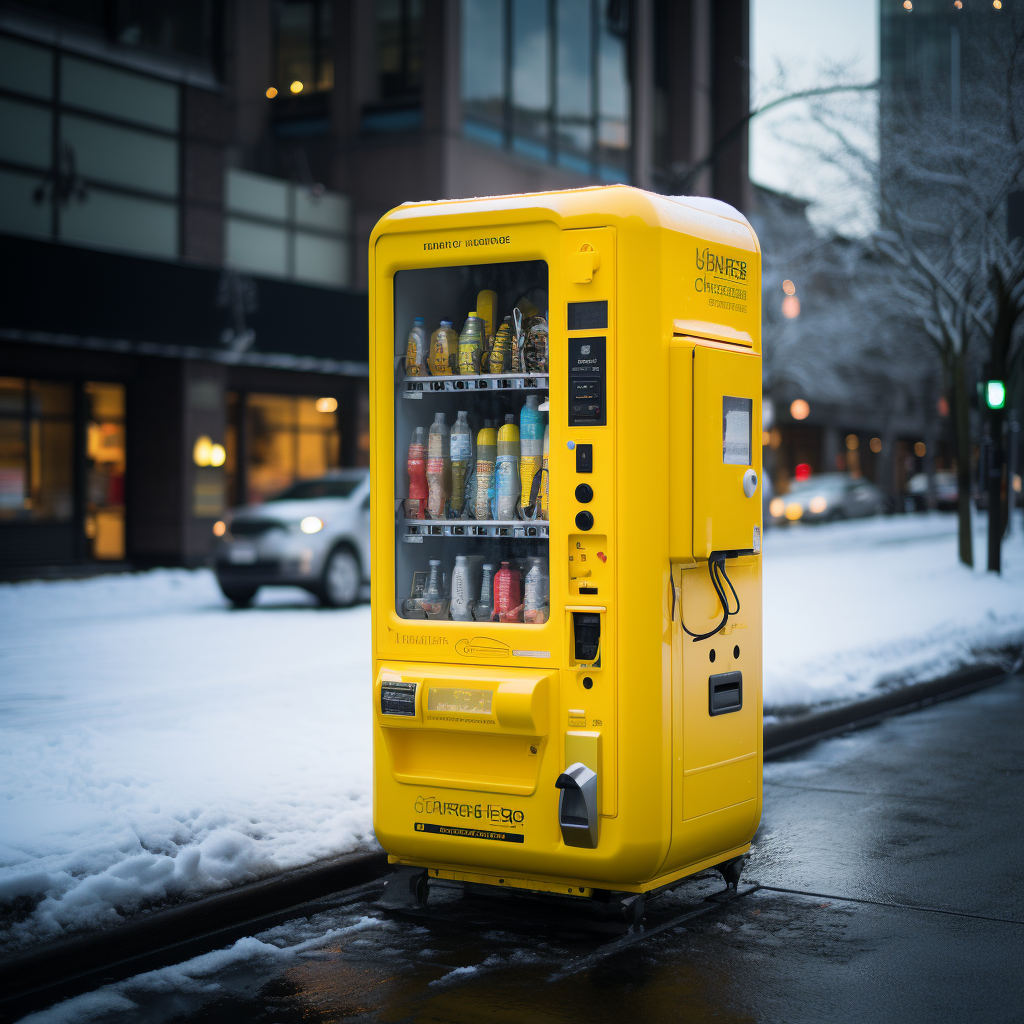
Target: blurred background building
[(186, 192)]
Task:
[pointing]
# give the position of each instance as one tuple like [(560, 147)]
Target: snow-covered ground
[(156, 745)]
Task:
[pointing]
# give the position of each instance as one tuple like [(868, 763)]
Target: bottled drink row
[(507, 479), (475, 590), (518, 345)]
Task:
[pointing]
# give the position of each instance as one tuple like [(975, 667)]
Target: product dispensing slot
[(397, 698), (586, 635), (577, 805), (725, 693)]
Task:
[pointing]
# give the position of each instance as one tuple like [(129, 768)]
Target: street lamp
[(995, 394)]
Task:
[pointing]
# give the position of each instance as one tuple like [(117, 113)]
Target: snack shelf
[(417, 387), (416, 529)]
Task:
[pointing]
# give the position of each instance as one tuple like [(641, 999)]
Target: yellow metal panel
[(680, 473)]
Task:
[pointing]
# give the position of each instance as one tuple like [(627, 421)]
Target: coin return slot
[(725, 693)]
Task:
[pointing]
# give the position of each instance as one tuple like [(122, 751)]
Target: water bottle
[(444, 351), (531, 447), (486, 454), (485, 606), (417, 350), (462, 595), (499, 359), (506, 471), (508, 605), (535, 351), (471, 341), (416, 505), (439, 469), (462, 461), (433, 597), (535, 592)]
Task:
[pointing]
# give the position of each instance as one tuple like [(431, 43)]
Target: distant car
[(315, 535), (946, 491), (826, 498)]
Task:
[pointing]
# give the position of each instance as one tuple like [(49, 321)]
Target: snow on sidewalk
[(156, 745)]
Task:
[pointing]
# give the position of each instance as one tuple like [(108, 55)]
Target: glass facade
[(550, 79), (471, 530), (304, 53)]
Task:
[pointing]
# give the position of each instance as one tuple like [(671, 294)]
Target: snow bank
[(155, 745)]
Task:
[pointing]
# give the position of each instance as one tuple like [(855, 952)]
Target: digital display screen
[(737, 424), (448, 698)]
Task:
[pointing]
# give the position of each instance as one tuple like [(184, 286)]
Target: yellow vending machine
[(566, 581)]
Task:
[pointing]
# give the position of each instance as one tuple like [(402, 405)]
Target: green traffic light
[(995, 394)]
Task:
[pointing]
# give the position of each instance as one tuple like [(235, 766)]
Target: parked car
[(826, 498), (315, 535), (946, 491)]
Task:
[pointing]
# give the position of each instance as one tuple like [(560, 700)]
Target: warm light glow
[(326, 404), (220, 528), (271, 93), (766, 438), (776, 438), (958, 4), (202, 451), (794, 510), (296, 87), (790, 307), (311, 525), (852, 442), (919, 449), (788, 287), (777, 506), (907, 5), (799, 409), (217, 455), (943, 406), (802, 471), (875, 444), (1016, 482), (997, 4), (818, 504)]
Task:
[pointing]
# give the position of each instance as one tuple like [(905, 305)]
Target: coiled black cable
[(716, 570)]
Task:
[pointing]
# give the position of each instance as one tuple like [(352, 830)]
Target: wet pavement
[(903, 842)]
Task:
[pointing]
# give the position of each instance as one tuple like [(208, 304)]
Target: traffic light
[(995, 394)]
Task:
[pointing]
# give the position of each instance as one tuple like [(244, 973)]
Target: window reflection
[(574, 91), (483, 69), (531, 87), (105, 472), (303, 38)]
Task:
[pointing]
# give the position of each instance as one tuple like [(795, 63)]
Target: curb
[(196, 927)]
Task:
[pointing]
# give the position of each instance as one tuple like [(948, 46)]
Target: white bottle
[(462, 604)]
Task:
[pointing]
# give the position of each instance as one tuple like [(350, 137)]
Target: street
[(902, 843)]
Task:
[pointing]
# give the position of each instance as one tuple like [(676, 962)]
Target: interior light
[(326, 404), (997, 4), (818, 504), (777, 506), (907, 5), (794, 510), (217, 455), (958, 4), (790, 307), (311, 525), (202, 451), (919, 449), (995, 394), (802, 471), (296, 87), (271, 93), (788, 287), (875, 444), (220, 528), (852, 442), (799, 409)]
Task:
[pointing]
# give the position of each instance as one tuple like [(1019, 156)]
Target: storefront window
[(288, 438), (105, 468)]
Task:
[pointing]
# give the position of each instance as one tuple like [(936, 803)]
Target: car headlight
[(777, 506), (818, 504), (794, 510), (311, 525)]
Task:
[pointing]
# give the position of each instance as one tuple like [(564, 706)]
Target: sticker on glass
[(737, 416)]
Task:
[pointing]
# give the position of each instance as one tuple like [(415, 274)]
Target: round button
[(584, 520), (584, 493)]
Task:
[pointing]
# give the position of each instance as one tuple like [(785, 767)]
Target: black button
[(584, 493), (584, 458), (584, 520)]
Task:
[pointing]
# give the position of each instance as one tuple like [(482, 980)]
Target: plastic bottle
[(416, 504), (432, 600), (508, 604), (485, 606), (535, 592), (506, 470), (417, 350), (531, 446), (486, 303), (471, 343), (463, 602), (462, 461), (499, 359), (486, 456), (444, 351), (545, 483), (535, 351), (439, 469)]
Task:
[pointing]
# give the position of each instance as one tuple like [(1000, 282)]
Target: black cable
[(716, 566)]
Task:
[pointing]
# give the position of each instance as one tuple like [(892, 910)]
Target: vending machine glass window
[(471, 442)]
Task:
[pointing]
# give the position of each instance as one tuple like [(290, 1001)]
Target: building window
[(88, 153), (287, 439), (105, 470), (303, 36), (398, 32), (549, 79), (280, 229)]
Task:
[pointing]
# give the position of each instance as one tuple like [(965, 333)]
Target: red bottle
[(508, 604), (416, 504)]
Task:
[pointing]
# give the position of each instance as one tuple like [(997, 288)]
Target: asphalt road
[(903, 841)]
